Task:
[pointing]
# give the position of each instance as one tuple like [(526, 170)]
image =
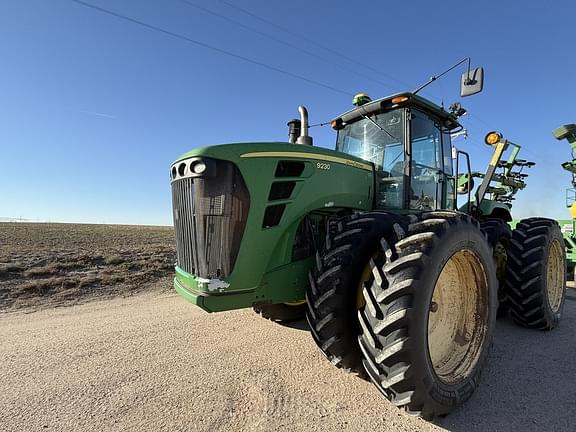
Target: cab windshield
[(378, 139)]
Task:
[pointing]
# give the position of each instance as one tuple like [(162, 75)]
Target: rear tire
[(332, 297), (430, 313), (536, 275), (281, 312)]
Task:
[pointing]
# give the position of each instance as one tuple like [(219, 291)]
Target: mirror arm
[(435, 77), (468, 80)]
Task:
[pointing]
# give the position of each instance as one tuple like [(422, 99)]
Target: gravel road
[(154, 362)]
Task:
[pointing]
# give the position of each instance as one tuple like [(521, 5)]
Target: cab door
[(427, 177)]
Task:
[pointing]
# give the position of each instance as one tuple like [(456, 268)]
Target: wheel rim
[(458, 317), (295, 303), (364, 278), (555, 276)]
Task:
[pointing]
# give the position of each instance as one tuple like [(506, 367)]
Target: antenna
[(435, 77)]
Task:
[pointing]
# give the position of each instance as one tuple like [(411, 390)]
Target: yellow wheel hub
[(555, 276), (458, 317), (295, 303), (364, 279)]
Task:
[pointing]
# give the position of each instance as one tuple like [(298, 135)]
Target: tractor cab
[(407, 139)]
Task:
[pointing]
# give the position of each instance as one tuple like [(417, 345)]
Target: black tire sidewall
[(442, 393)]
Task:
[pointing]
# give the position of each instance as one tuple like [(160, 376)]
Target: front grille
[(210, 214)]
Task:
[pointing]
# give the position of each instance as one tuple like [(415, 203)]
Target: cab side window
[(427, 162)]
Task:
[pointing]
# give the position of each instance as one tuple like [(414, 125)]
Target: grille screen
[(209, 218)]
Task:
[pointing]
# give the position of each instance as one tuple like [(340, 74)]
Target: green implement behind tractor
[(568, 132), (397, 281)]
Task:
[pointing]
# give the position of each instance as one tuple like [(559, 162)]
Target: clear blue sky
[(93, 109)]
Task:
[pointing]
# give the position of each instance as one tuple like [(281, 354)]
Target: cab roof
[(448, 120)]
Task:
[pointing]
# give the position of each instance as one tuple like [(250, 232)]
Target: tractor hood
[(238, 209), (238, 151)]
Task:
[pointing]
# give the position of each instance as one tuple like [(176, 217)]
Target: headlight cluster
[(198, 167), (194, 167)]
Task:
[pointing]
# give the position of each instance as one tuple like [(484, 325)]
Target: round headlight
[(493, 138), (199, 167)]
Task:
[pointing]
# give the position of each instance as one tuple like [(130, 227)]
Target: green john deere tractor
[(568, 132), (368, 242)]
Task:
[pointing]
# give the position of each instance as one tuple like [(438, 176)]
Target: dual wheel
[(531, 270), (412, 301)]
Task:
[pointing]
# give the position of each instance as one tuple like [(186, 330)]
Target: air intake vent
[(281, 190), (273, 215), (289, 169)]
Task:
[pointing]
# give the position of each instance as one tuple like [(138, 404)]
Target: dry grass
[(57, 264)]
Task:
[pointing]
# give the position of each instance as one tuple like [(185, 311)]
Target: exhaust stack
[(303, 138)]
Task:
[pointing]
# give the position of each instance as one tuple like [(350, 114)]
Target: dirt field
[(59, 264), (151, 361)]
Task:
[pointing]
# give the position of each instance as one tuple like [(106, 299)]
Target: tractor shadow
[(529, 383), (297, 325)]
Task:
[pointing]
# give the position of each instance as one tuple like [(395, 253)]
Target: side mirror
[(472, 82)]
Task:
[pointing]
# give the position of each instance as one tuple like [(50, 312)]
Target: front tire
[(336, 280), (536, 276), (430, 313)]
